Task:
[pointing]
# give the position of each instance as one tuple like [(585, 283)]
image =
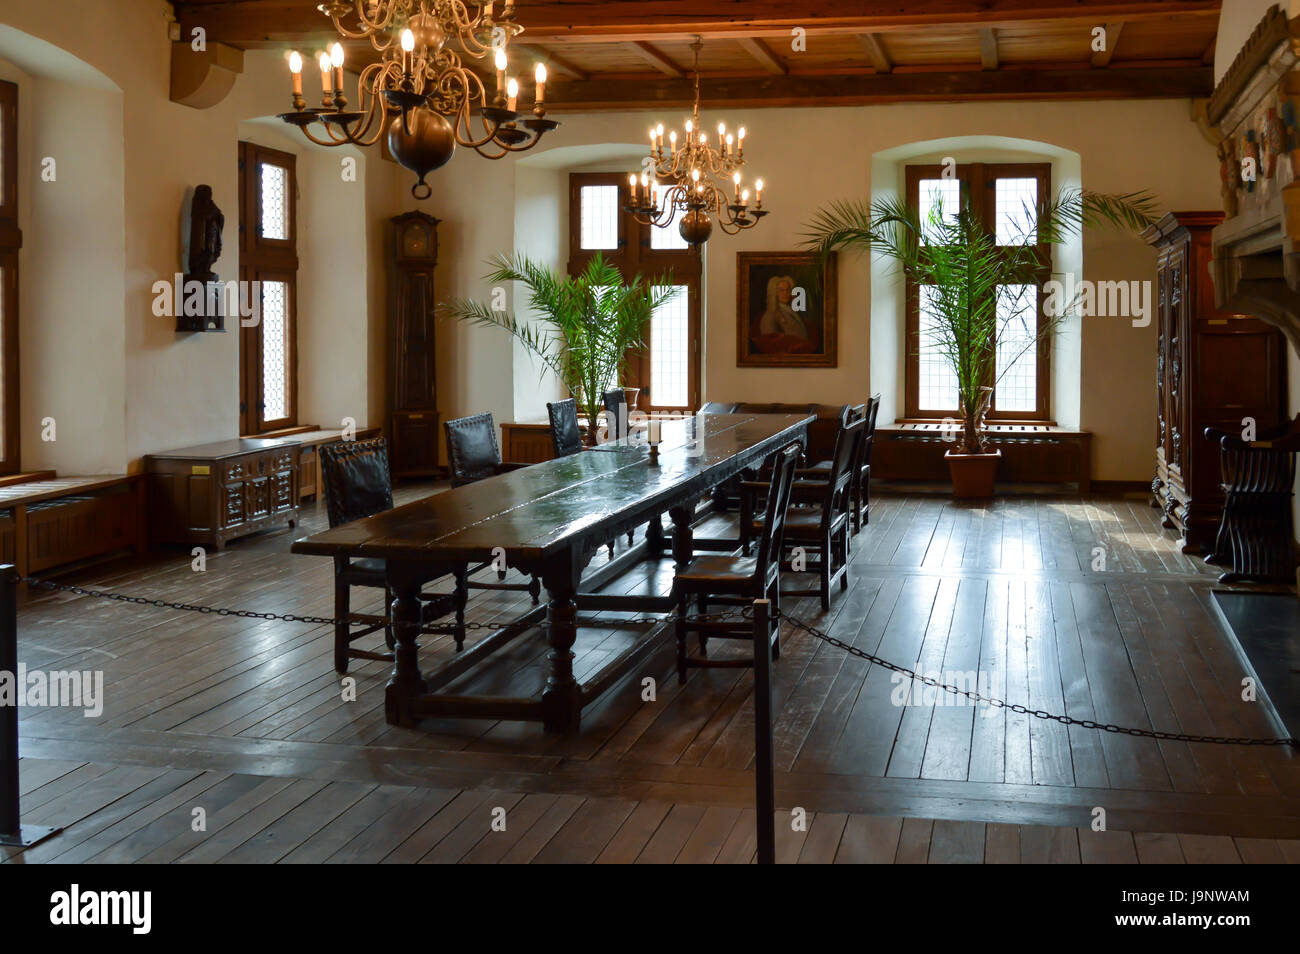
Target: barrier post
[(12, 832), (764, 777)]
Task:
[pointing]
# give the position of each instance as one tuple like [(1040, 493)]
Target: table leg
[(561, 699), (654, 536), (406, 682), (683, 535)]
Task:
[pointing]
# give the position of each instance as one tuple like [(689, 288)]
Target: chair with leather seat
[(616, 413), (822, 530), (358, 485), (737, 580), (473, 455), (860, 491), (566, 435)]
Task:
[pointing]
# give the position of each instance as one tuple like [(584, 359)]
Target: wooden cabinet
[(526, 443), (412, 378), (1212, 369), (213, 493)]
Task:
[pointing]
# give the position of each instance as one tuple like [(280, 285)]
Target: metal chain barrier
[(1025, 710), (733, 615)]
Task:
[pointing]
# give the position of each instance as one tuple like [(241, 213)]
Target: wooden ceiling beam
[(553, 61), (866, 88), (988, 48), (761, 52), (871, 42), (656, 58), (1101, 58), (252, 24)]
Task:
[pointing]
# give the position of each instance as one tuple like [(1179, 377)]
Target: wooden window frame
[(11, 241), (266, 259), (979, 179), (634, 255)]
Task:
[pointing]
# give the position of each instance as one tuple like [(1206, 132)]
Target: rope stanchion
[(764, 766), (12, 832)]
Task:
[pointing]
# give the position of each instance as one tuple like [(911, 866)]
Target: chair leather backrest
[(869, 440), (848, 450), (472, 452), (778, 502), (566, 436), (357, 483), (615, 401)]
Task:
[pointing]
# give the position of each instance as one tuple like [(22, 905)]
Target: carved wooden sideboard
[(213, 493), (1213, 369)]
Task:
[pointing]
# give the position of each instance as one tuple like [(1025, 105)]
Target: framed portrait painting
[(785, 311)]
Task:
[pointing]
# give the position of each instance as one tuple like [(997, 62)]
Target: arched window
[(999, 195)]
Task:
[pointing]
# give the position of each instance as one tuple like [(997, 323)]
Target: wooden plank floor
[(114, 815), (1078, 606)]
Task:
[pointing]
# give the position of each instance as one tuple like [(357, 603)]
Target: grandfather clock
[(412, 387)]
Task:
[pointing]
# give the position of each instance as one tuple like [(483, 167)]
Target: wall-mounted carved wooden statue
[(206, 223), (202, 238)]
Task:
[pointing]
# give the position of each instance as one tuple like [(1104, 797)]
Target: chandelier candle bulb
[(408, 47), (539, 77), (326, 86), (336, 57), (295, 68), (512, 93), (501, 70)]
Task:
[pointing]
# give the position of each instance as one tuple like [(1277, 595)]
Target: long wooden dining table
[(550, 519)]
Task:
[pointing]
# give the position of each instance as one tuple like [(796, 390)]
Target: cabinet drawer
[(257, 498), (282, 491), (232, 505)]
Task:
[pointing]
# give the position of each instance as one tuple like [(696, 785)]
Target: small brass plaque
[(415, 417), (200, 469), (1217, 321)]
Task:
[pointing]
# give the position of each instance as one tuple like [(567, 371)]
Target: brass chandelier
[(693, 171), (419, 92)]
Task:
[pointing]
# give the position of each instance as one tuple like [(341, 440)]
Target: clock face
[(415, 243)]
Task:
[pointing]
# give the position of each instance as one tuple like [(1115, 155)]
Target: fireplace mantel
[(1255, 110)]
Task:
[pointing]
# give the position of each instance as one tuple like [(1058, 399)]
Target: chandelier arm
[(331, 142)]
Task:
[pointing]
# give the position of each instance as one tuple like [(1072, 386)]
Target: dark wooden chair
[(566, 435), (358, 485), (823, 529), (473, 455), (1255, 540), (616, 413), (860, 491), (737, 580)]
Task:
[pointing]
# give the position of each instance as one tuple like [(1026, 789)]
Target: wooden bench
[(1031, 453), (55, 523)]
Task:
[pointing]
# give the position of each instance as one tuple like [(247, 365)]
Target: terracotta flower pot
[(973, 474)]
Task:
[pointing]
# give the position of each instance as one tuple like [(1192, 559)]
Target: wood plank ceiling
[(618, 54)]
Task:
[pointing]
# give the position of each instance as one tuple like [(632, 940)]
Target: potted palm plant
[(978, 293), (588, 322)]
